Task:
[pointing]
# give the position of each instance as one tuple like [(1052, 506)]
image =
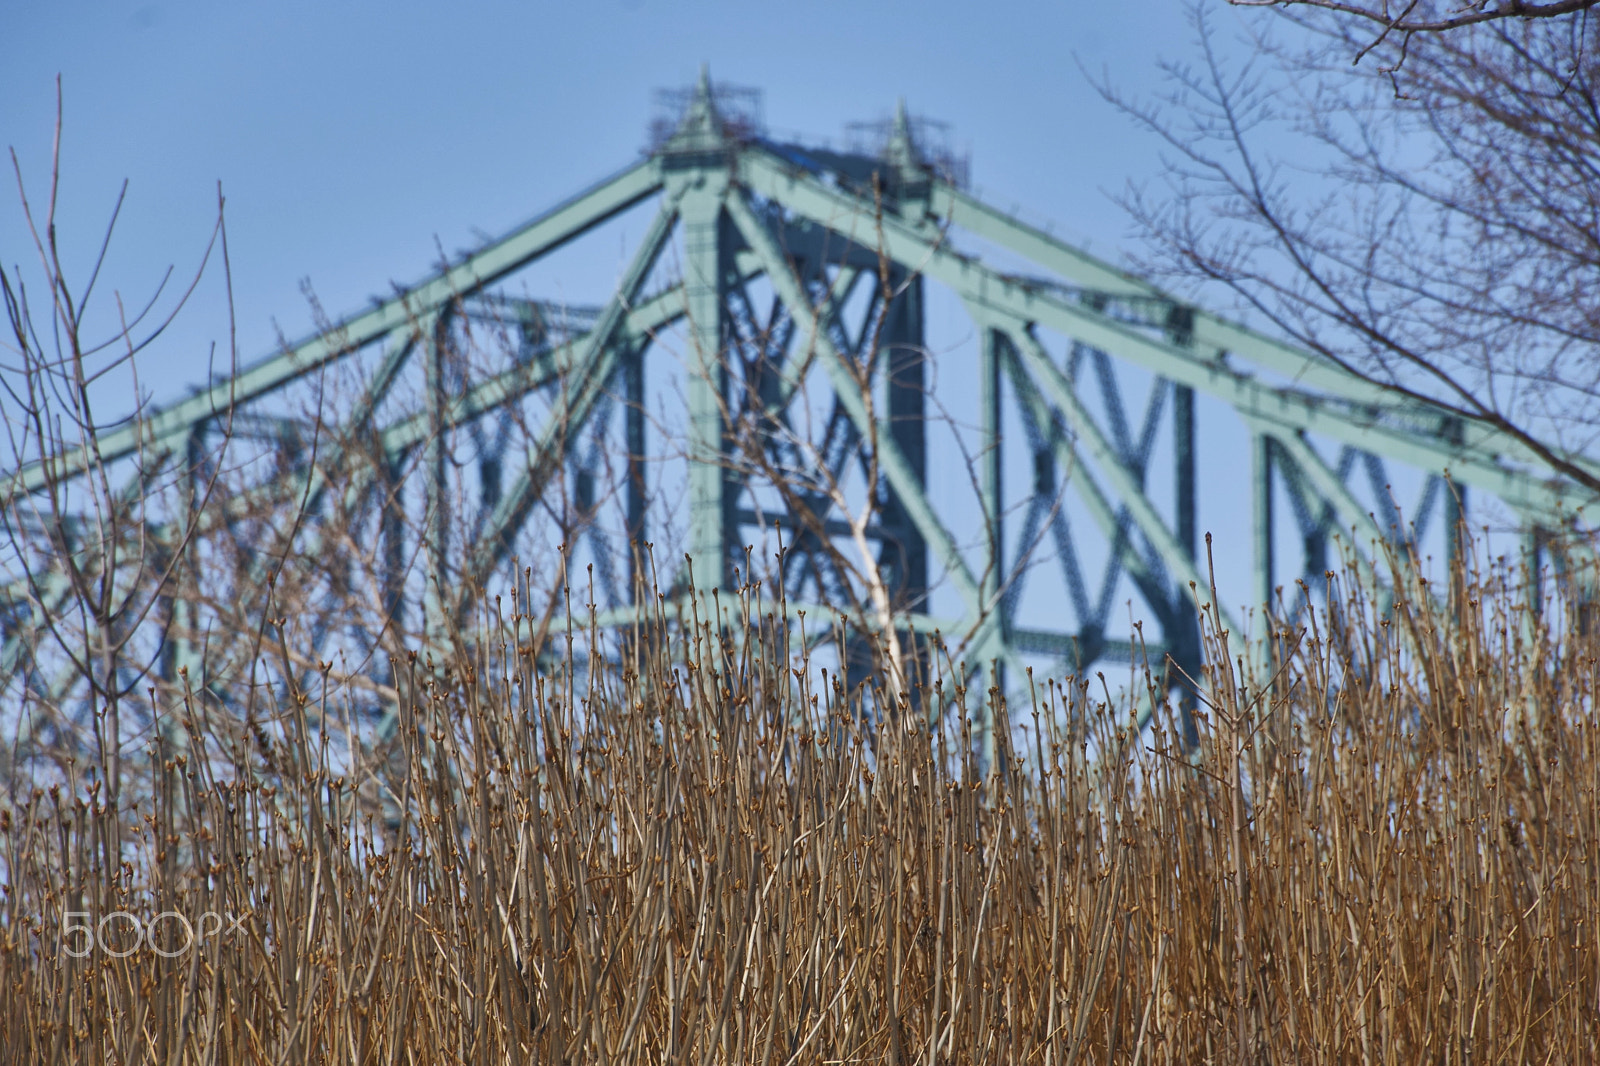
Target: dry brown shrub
[(1384, 849)]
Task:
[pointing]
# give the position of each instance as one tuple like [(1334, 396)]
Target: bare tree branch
[(1433, 227), (1425, 16)]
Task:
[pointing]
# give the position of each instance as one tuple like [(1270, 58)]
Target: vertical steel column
[(902, 551), (991, 360), (1455, 506), (436, 521), (1533, 545), (1182, 629), (902, 338), (704, 251), (1455, 519), (992, 471), (1183, 461), (1180, 331), (1533, 539), (181, 656), (189, 658), (633, 418), (1261, 458), (392, 534)]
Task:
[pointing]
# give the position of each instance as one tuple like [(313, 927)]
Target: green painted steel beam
[(992, 501), (902, 340), (895, 467), (1100, 507), (960, 208), (1455, 508), (1031, 641), (1066, 646), (793, 374), (705, 254), (1261, 518), (1210, 332), (310, 483), (892, 461), (906, 243), (435, 471), (50, 600), (695, 159), (642, 321), (766, 607), (542, 235), (1331, 487), (983, 286), (991, 483), (46, 593), (1123, 483), (592, 370)]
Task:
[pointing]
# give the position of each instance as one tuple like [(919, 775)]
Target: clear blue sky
[(349, 136)]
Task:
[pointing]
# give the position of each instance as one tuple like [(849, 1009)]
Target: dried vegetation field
[(1385, 847)]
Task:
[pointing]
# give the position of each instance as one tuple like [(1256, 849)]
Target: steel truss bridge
[(770, 371)]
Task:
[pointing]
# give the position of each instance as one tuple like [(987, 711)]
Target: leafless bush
[(1383, 848), (86, 551)]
